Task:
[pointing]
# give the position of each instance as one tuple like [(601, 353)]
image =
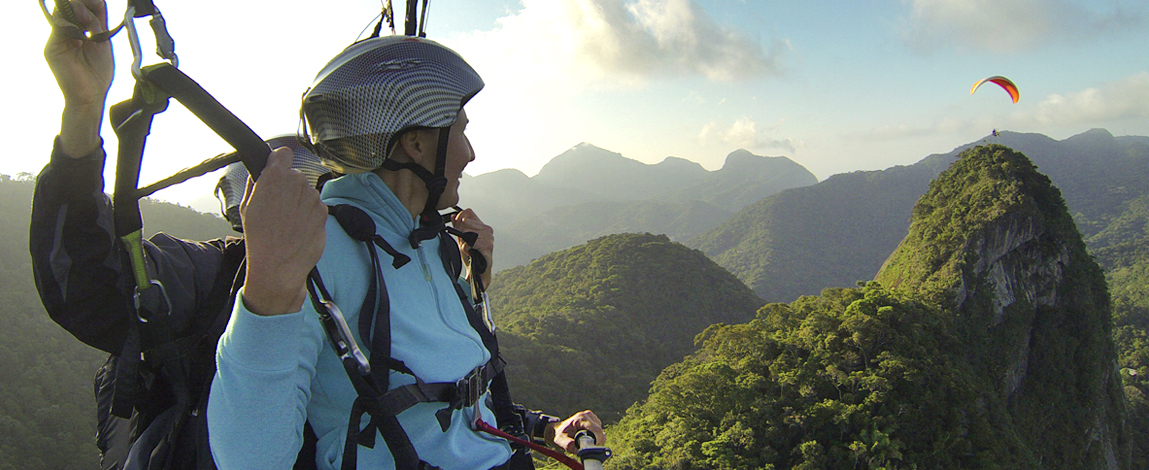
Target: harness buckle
[(469, 388)]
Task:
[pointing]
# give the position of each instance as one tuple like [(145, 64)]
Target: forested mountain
[(988, 347), (587, 192), (839, 231), (993, 241), (47, 411), (591, 326), (1125, 258)]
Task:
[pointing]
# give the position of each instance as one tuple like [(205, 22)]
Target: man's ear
[(417, 145)]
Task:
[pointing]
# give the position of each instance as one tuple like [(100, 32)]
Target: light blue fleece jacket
[(276, 372)]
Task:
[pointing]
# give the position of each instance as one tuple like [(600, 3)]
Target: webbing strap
[(252, 150), (132, 121), (143, 8), (430, 222), (452, 262), (358, 371), (410, 23)]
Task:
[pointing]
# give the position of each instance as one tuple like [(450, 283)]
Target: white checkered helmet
[(377, 89), (233, 183)]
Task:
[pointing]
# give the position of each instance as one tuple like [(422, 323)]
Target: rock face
[(993, 242)]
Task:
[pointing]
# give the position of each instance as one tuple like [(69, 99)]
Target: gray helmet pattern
[(233, 183), (377, 89)]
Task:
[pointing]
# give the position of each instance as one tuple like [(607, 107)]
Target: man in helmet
[(81, 282), (387, 112)]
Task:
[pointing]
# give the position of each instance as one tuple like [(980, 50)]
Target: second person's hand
[(83, 71)]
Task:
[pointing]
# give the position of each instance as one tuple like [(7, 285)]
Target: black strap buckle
[(468, 389)]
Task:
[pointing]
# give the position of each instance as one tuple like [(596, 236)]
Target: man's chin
[(447, 201)]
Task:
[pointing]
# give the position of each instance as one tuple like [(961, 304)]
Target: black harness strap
[(132, 121), (339, 335), (410, 22)]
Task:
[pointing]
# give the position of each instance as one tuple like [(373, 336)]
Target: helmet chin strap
[(430, 222)]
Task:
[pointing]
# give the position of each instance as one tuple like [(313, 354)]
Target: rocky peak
[(993, 243)]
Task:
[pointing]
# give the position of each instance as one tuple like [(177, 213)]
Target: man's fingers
[(85, 18), (582, 420), (279, 158), (97, 14), (468, 217), (247, 191)]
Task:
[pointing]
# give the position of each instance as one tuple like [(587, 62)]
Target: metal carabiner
[(484, 309), (165, 45), (345, 345), (136, 292)]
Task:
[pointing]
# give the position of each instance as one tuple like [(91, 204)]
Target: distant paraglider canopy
[(1001, 81)]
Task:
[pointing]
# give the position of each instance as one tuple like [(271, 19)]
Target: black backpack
[(166, 390)]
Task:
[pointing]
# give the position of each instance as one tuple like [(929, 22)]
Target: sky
[(835, 86)]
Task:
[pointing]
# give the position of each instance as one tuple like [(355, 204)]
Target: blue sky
[(836, 86)]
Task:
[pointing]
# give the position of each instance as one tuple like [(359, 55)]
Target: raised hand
[(83, 70)]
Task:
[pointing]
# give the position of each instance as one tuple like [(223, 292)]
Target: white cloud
[(1122, 99), (689, 41), (744, 134), (546, 64), (1010, 25), (615, 42)]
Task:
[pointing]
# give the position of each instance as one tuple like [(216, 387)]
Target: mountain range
[(839, 231), (587, 192)]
